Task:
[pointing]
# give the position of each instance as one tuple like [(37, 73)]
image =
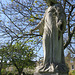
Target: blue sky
[(6, 2)]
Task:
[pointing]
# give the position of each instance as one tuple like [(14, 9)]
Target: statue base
[(52, 69), (50, 74)]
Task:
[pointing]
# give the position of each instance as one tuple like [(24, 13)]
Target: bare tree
[(22, 15)]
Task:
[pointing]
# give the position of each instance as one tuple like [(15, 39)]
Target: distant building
[(9, 68), (70, 62)]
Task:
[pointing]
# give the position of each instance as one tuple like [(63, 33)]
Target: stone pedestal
[(53, 69), (50, 74)]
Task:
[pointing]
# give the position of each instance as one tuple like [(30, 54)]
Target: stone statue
[(52, 27)]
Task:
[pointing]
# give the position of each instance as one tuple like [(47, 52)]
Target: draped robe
[(52, 26)]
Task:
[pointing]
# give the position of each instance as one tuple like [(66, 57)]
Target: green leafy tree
[(3, 60), (21, 56)]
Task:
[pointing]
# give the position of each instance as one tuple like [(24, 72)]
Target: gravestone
[(52, 27)]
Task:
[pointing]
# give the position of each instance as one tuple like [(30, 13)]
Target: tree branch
[(69, 3), (35, 35), (70, 34), (71, 51), (69, 38)]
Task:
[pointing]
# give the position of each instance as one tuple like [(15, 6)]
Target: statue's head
[(50, 2)]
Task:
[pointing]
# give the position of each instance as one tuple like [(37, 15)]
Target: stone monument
[(52, 27)]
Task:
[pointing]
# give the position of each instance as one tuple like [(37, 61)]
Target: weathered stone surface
[(52, 26), (53, 68), (50, 74)]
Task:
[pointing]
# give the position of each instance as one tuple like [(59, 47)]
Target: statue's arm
[(61, 23), (39, 25)]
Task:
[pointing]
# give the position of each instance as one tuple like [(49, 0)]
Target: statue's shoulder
[(49, 9), (46, 11)]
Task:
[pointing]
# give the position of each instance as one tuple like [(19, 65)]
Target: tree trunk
[(0, 71), (19, 73)]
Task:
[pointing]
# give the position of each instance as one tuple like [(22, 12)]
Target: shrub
[(72, 72), (9, 73)]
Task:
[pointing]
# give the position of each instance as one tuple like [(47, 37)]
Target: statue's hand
[(59, 23)]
